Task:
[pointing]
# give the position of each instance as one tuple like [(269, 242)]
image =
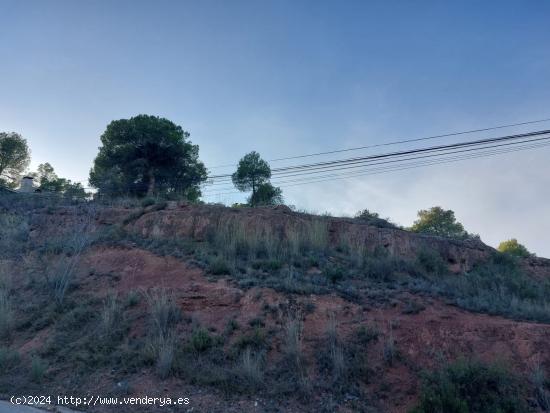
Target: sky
[(296, 77)]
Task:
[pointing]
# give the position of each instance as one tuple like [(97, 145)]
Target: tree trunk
[(151, 184)]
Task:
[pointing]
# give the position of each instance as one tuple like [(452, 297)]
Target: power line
[(400, 141), (376, 171), (439, 148)]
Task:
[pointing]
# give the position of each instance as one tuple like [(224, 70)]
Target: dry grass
[(293, 339), (164, 315), (250, 367), (110, 315), (337, 357)]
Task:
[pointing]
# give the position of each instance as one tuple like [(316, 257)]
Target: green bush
[(8, 359), (219, 266), (145, 202), (201, 340), (513, 247), (431, 262), (471, 387)]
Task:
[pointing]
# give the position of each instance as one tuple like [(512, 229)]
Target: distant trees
[(373, 218), (147, 155), (14, 157), (513, 247), (49, 181), (440, 222), (253, 174)]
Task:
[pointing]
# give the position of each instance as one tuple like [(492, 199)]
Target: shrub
[(471, 386), (219, 266), (513, 247), (8, 359), (499, 287), (431, 262), (201, 340), (38, 369), (6, 312), (145, 202)]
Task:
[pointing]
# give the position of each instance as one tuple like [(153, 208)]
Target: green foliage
[(251, 173), (431, 262), (440, 222), (147, 155), (513, 247), (201, 340), (499, 287), (14, 156), (266, 194), (471, 387), (50, 182), (219, 266), (8, 359), (145, 202), (38, 369), (372, 218)]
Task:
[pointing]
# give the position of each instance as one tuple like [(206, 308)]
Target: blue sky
[(293, 77)]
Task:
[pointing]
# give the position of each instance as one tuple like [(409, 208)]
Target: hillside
[(259, 309)]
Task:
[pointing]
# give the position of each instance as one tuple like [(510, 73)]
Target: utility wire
[(373, 171), (397, 142), (349, 161)]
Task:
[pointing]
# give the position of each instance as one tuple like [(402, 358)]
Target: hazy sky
[(294, 77)]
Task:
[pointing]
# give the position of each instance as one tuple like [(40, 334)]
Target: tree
[(266, 194), (513, 247), (49, 181), (252, 172), (146, 155), (14, 157), (438, 221)]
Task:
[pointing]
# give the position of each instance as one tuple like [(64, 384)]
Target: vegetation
[(440, 222), (14, 158), (266, 194), (147, 155), (49, 181), (513, 247), (373, 218), (253, 174), (470, 387)]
